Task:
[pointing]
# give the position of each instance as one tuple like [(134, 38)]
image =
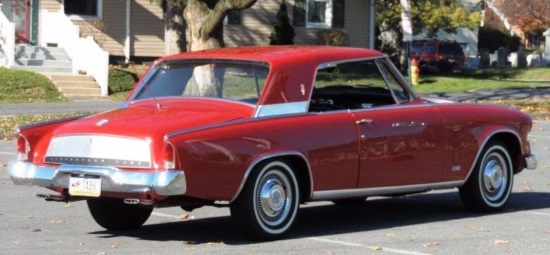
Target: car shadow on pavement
[(328, 219)]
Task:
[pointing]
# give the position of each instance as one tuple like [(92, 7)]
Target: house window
[(319, 13), (234, 17), (83, 8)]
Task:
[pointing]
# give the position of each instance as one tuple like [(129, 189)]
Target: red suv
[(439, 56)]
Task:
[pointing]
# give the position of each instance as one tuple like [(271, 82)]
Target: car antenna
[(146, 85)]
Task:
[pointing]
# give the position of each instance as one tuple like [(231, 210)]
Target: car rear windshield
[(234, 80)]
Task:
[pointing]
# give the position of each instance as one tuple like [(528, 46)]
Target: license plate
[(88, 186)]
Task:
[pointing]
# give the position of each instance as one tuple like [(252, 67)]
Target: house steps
[(57, 66), (42, 59), (74, 86)]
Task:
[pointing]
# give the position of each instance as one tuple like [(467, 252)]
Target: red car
[(439, 56), (264, 129)]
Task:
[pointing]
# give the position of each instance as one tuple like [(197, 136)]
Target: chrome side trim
[(266, 157), (531, 162), (366, 192), (162, 182), (279, 109)]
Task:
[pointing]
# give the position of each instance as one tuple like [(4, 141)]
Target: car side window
[(397, 88), (350, 85)]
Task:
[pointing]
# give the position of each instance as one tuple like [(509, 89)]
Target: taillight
[(169, 156), (23, 148)]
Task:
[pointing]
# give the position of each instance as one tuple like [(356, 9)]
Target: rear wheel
[(114, 214), (490, 184), (268, 203)]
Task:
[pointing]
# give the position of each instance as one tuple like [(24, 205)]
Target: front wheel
[(490, 184), (114, 214), (268, 203)]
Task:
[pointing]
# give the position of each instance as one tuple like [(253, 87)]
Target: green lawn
[(23, 87), (484, 79)]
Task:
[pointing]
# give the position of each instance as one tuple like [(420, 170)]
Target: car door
[(399, 145), (401, 142)]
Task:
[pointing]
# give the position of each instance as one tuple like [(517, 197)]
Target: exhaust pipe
[(53, 197), (135, 201)]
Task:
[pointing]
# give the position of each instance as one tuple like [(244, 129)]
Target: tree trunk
[(204, 19), (174, 29)]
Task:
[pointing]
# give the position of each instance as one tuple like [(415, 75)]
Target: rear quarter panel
[(216, 160)]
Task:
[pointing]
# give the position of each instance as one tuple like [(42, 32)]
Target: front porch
[(60, 48)]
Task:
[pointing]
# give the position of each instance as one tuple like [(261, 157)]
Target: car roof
[(282, 54)]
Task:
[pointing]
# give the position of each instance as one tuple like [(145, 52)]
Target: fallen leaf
[(37, 230), (527, 186), (102, 253), (502, 242), (377, 248), (187, 217), (29, 217), (471, 227), (67, 205), (114, 245), (390, 235), (428, 244)]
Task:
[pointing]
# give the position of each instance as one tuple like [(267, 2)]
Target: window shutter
[(299, 13), (338, 13)]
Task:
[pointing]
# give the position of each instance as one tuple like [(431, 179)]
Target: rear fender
[(38, 136), (300, 162)]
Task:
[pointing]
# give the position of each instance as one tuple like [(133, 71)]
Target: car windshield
[(234, 80)]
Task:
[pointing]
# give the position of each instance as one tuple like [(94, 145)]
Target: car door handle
[(363, 121), (408, 124)]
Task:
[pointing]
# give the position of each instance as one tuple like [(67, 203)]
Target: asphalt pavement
[(429, 223), (58, 107)]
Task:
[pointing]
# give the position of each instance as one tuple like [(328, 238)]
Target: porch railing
[(85, 53), (7, 40)]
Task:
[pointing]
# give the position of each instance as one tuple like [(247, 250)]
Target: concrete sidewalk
[(542, 92)]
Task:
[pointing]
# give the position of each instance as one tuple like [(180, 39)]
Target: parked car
[(262, 130), (439, 56)]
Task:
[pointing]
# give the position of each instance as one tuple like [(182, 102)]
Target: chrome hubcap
[(495, 177), (273, 198)]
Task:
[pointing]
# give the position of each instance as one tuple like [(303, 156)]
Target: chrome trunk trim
[(99, 150)]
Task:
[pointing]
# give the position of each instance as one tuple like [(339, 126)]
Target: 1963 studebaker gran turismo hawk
[(262, 130)]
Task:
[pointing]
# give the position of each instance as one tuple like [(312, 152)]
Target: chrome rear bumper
[(161, 182), (531, 162)]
